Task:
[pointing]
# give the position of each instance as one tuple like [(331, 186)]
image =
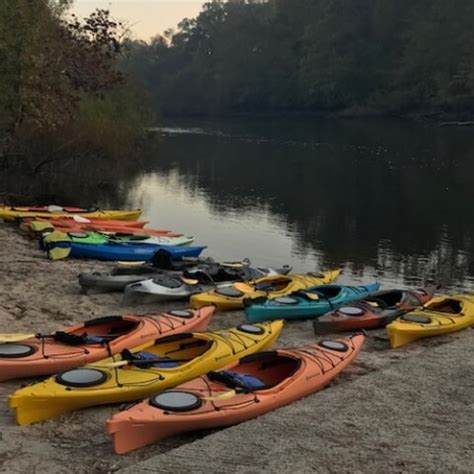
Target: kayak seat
[(168, 282), (235, 380), (164, 362)]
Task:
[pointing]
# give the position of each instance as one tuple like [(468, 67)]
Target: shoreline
[(382, 386)]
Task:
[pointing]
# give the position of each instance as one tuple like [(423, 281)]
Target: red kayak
[(374, 311), (98, 225)]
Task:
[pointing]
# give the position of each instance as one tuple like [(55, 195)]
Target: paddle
[(232, 264), (38, 226), (222, 396), (15, 337), (189, 281), (138, 362), (131, 264), (22, 337), (81, 219), (243, 287), (311, 296), (57, 236)]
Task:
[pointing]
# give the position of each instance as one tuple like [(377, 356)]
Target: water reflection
[(391, 200)]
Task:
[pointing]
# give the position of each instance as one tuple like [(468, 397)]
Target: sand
[(407, 410)]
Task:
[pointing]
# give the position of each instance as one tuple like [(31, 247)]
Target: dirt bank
[(390, 410)]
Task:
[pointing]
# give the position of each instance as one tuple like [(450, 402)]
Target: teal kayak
[(310, 303)]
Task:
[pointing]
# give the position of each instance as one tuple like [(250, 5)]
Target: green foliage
[(398, 56)]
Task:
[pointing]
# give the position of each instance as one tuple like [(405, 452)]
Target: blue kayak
[(309, 303), (125, 252)]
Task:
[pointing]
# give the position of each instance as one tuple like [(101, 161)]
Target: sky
[(146, 18)]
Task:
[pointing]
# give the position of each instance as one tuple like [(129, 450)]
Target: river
[(385, 200)]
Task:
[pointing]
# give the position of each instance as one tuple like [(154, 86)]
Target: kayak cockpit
[(449, 305), (257, 372), (97, 331), (387, 299), (169, 352)]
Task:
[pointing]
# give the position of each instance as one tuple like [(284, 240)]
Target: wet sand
[(393, 410)]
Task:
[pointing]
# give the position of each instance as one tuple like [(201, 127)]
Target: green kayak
[(105, 238)]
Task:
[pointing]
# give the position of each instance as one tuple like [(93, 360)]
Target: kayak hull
[(124, 252), (292, 373)]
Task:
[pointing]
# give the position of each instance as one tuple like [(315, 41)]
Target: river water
[(385, 200)]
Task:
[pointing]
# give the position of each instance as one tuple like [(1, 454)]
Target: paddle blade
[(57, 236), (82, 220), (232, 264), (243, 287), (131, 264), (189, 281), (40, 226), (4, 338), (222, 396), (59, 253), (120, 363)]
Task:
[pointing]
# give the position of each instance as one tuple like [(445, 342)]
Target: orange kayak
[(92, 341), (259, 383), (39, 226)]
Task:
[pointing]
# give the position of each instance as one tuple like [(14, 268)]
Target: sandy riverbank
[(403, 410)]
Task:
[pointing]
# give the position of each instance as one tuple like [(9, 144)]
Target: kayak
[(443, 315), (117, 251), (232, 297), (372, 312), (173, 288), (97, 238), (308, 303), (36, 355), (118, 278), (137, 374), (258, 384), (9, 213), (205, 272), (40, 227), (74, 220), (161, 288)]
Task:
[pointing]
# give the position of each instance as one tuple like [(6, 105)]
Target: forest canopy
[(318, 56)]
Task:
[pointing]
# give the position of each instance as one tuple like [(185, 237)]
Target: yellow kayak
[(233, 296), (13, 213), (444, 314), (137, 374)]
